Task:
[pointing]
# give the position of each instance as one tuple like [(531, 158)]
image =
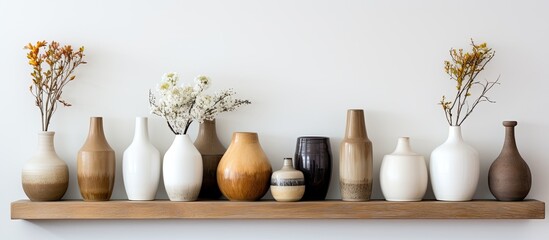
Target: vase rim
[(312, 137), (46, 132), (245, 133)]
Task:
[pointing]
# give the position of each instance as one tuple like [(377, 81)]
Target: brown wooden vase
[(96, 164), (355, 159), (244, 172), (212, 151), (509, 177)]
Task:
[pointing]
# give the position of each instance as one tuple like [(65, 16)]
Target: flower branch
[(47, 85), (182, 105), (464, 69)]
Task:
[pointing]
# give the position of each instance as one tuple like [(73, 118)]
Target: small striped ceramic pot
[(287, 184)]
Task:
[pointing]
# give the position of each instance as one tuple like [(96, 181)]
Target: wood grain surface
[(268, 209)]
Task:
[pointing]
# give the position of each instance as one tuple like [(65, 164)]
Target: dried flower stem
[(47, 86), (182, 105), (464, 69)]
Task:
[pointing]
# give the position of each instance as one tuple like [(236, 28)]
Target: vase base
[(403, 200), (185, 194), (38, 192), (355, 192)]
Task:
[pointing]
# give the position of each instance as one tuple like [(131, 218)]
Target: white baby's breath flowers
[(181, 105)]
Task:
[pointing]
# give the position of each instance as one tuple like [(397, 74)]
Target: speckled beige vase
[(355, 159), (287, 184), (96, 164), (45, 176)]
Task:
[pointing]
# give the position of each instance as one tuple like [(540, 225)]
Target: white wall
[(302, 64)]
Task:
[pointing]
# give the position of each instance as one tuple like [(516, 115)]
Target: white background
[(302, 64)]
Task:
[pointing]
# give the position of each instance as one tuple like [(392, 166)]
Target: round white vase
[(141, 164), (403, 174), (454, 168), (182, 170)]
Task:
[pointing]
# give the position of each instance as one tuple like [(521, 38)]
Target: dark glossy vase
[(212, 151), (313, 157), (509, 177)]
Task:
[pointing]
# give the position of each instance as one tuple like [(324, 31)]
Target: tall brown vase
[(355, 159), (244, 172), (212, 151), (96, 164), (509, 177)]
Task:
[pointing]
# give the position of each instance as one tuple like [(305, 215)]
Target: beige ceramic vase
[(287, 184), (96, 164), (212, 151), (45, 176), (244, 172), (355, 159)]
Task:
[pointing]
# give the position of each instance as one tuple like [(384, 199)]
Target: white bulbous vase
[(454, 168), (182, 170), (403, 174), (141, 164)]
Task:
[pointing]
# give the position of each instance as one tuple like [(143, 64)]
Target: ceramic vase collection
[(244, 172), (313, 157), (287, 184), (212, 151), (182, 170), (141, 164), (454, 168), (355, 159), (45, 177), (403, 174), (509, 177), (96, 164)]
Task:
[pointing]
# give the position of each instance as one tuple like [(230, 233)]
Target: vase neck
[(207, 134), (96, 129), (356, 127), (182, 139), (510, 144), (245, 137), (454, 134), (45, 142), (288, 164), (403, 146), (141, 129)]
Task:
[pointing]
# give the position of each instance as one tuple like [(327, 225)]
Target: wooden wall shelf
[(330, 209)]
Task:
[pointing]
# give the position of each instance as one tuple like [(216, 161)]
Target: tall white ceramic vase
[(403, 174), (454, 168), (182, 170), (141, 164)]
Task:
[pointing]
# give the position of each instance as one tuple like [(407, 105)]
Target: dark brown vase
[(509, 177), (313, 157), (96, 164), (212, 151)]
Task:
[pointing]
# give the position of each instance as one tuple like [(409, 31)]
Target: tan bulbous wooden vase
[(96, 164), (244, 172)]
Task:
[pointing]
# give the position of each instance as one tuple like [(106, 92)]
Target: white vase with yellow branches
[(45, 177), (455, 165)]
